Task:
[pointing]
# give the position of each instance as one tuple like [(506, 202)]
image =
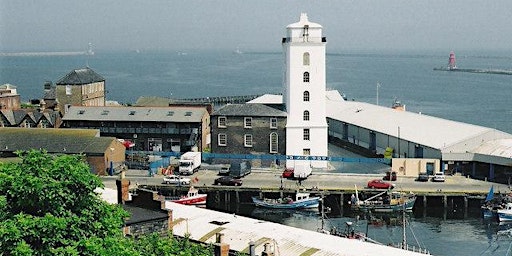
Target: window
[(248, 122), (306, 152), (273, 142), (305, 59), (248, 140), (306, 134), (273, 123), (306, 115), (305, 77), (221, 122), (223, 139), (306, 96)]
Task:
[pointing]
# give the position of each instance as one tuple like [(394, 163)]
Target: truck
[(301, 171), (239, 169), (189, 163)]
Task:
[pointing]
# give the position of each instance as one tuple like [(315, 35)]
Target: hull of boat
[(309, 203), (407, 206), (193, 200)]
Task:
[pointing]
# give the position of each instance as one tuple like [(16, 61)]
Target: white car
[(177, 180), (439, 177)]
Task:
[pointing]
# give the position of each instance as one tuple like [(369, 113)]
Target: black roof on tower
[(80, 76)]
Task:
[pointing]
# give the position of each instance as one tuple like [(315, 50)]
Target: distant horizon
[(276, 50)]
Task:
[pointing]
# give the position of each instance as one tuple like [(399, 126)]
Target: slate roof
[(252, 109), (147, 114), (80, 77), (139, 214), (70, 141)]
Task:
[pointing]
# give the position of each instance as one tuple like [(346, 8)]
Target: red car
[(380, 184), (287, 173)]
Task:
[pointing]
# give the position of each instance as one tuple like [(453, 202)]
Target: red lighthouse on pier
[(451, 61)]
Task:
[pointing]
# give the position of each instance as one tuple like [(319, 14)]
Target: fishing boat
[(505, 214), (193, 197), (302, 201), (387, 201)]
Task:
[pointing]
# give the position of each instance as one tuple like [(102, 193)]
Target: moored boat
[(505, 214), (193, 197), (302, 201), (387, 201)]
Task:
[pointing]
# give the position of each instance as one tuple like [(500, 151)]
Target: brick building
[(80, 87), (9, 98)]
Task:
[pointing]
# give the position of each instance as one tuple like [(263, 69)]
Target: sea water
[(480, 99)]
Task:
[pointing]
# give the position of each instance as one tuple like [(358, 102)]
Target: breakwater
[(479, 71)]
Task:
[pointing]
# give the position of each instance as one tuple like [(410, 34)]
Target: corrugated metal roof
[(502, 148), (422, 129), (155, 114), (268, 99), (202, 225)]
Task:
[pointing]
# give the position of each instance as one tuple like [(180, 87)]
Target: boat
[(302, 201), (387, 201), (488, 207), (193, 197), (505, 214)]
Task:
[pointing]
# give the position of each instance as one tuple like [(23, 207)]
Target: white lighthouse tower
[(304, 92)]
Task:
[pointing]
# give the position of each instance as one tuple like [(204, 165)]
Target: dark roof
[(138, 214), (80, 77), (69, 141), (248, 110), (49, 94)]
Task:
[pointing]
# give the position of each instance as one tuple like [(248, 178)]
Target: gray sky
[(64, 25)]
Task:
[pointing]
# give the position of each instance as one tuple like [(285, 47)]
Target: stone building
[(9, 98), (248, 129), (80, 87)]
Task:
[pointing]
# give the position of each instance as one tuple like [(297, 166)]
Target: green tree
[(48, 207)]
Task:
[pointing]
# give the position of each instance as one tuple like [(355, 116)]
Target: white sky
[(63, 25)]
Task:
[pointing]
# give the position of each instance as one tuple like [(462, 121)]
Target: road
[(270, 179)]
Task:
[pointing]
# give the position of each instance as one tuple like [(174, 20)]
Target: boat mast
[(404, 238)]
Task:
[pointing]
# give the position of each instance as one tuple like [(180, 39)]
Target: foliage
[(48, 207)]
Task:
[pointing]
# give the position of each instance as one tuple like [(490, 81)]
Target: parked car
[(423, 176), (288, 173), (227, 181), (439, 177), (380, 184), (390, 176), (176, 180)]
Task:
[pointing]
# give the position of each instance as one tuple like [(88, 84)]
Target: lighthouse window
[(305, 77), (306, 115), (306, 134), (305, 59), (306, 96)]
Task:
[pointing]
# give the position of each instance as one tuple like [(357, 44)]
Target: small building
[(177, 129), (248, 129), (80, 87), (102, 153), (9, 98)]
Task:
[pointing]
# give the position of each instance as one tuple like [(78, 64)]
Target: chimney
[(220, 248), (122, 190), (267, 250)]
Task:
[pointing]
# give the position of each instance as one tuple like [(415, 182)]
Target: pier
[(479, 71), (457, 192)]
